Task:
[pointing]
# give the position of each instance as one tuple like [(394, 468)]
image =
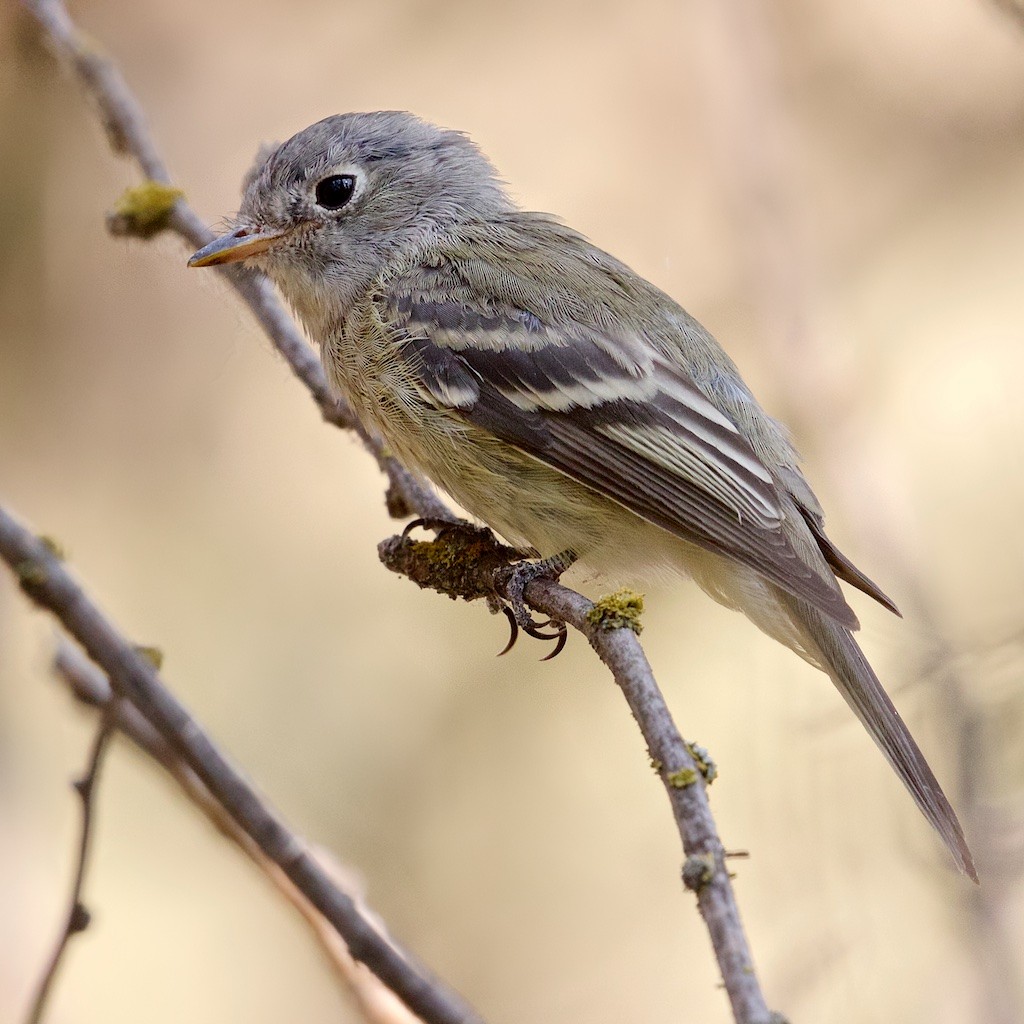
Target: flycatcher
[(554, 393)]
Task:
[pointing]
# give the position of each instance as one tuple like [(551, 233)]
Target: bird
[(557, 395)]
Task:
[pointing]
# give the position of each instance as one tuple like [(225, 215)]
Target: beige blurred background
[(837, 191)]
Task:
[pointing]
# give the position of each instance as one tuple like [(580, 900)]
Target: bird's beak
[(238, 245)]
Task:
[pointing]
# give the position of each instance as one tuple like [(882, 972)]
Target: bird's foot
[(457, 541), (518, 578)]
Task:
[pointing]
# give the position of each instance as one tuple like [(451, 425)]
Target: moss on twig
[(460, 562), (705, 764), (621, 610), (682, 778), (144, 211), (153, 655)]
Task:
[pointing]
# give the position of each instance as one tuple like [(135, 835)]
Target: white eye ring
[(336, 189)]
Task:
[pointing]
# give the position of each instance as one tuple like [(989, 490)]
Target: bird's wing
[(608, 410)]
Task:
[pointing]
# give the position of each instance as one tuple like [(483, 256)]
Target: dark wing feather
[(844, 568), (613, 415)]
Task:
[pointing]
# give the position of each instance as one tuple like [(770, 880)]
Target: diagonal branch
[(90, 687), (683, 768), (129, 135), (704, 872), (135, 678)]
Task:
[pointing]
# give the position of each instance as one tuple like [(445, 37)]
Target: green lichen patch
[(461, 562), (705, 764), (143, 211), (30, 573), (153, 655), (54, 546), (621, 610), (682, 778)]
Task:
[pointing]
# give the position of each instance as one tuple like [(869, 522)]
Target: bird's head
[(347, 193)]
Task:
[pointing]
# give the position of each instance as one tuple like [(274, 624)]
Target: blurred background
[(837, 191)]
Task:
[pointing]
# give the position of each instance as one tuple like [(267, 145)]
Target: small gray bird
[(552, 392)]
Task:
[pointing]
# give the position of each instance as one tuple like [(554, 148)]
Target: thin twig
[(704, 871), (91, 687), (127, 128), (78, 915), (45, 580)]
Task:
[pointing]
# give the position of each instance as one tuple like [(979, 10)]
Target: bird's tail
[(843, 660)]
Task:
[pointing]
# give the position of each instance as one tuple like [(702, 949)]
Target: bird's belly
[(528, 503), (532, 505)]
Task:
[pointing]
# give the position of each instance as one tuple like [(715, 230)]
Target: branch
[(134, 677), (90, 687), (704, 870), (684, 772), (78, 915), (683, 768), (126, 127)]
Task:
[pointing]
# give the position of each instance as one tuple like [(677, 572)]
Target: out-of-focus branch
[(78, 915), (128, 131), (91, 687), (1013, 9), (134, 678), (704, 871)]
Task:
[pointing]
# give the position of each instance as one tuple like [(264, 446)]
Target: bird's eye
[(334, 192)]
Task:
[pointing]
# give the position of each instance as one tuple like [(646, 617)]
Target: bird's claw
[(436, 525), (560, 634), (517, 578), (518, 615), (513, 635)]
